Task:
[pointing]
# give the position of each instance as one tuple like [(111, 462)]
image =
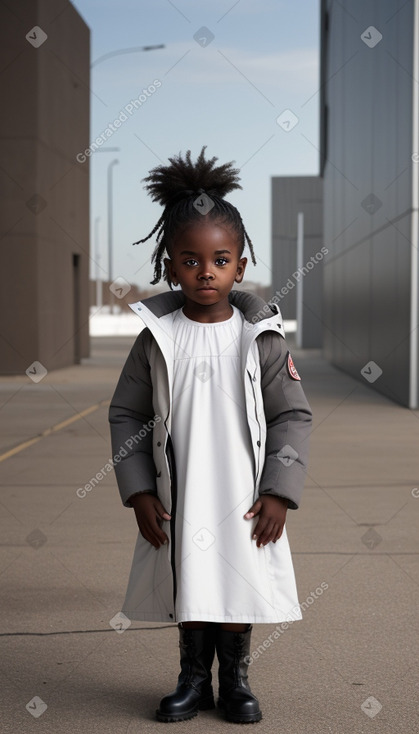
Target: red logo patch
[(291, 369)]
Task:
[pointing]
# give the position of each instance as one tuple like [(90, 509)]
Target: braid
[(159, 249), (177, 187)]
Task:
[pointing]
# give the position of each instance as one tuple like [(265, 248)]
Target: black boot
[(194, 689), (236, 699)]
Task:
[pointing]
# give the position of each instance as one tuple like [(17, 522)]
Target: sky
[(228, 70)]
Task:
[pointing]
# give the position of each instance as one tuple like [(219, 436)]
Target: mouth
[(207, 288)]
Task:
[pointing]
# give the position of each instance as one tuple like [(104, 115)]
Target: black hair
[(177, 188)]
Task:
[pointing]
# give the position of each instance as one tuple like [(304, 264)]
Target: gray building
[(297, 270), (369, 161), (44, 209)]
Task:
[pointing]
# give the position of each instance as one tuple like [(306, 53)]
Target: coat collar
[(258, 317), (256, 311)]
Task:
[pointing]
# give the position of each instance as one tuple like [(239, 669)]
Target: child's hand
[(150, 512), (272, 511)]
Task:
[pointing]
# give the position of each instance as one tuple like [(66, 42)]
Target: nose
[(206, 275)]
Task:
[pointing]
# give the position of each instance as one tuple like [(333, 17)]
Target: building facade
[(297, 282), (44, 255), (370, 166)]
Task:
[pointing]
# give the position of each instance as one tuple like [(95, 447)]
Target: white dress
[(221, 574)]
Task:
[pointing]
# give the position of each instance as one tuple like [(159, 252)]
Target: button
[(171, 616), (158, 443), (258, 443), (254, 379)]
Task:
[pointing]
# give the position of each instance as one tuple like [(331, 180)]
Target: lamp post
[(110, 225), (299, 288), (115, 161), (97, 261), (126, 51)]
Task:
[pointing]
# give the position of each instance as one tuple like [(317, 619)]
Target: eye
[(191, 260), (223, 259)]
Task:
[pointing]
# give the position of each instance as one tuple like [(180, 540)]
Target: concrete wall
[(290, 195), (44, 211), (370, 212)]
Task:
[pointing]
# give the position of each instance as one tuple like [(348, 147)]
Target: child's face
[(205, 262)]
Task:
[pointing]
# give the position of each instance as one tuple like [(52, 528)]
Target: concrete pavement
[(349, 667)]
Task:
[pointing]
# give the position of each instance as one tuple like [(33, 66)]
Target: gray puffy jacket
[(278, 413)]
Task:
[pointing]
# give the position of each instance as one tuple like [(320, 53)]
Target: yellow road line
[(48, 431)]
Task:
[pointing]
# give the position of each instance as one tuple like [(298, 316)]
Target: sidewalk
[(349, 667)]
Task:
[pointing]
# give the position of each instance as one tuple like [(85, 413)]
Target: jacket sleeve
[(288, 420), (131, 419)]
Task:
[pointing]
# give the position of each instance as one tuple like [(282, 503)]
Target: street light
[(299, 288), (97, 261), (110, 223), (121, 51), (116, 161)]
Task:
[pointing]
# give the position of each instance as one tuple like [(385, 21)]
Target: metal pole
[(97, 259), (126, 51), (110, 227), (299, 290), (414, 259)]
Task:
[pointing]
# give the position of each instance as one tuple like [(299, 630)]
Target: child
[(210, 430)]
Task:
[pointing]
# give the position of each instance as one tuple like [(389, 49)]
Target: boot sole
[(250, 719), (168, 719)]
